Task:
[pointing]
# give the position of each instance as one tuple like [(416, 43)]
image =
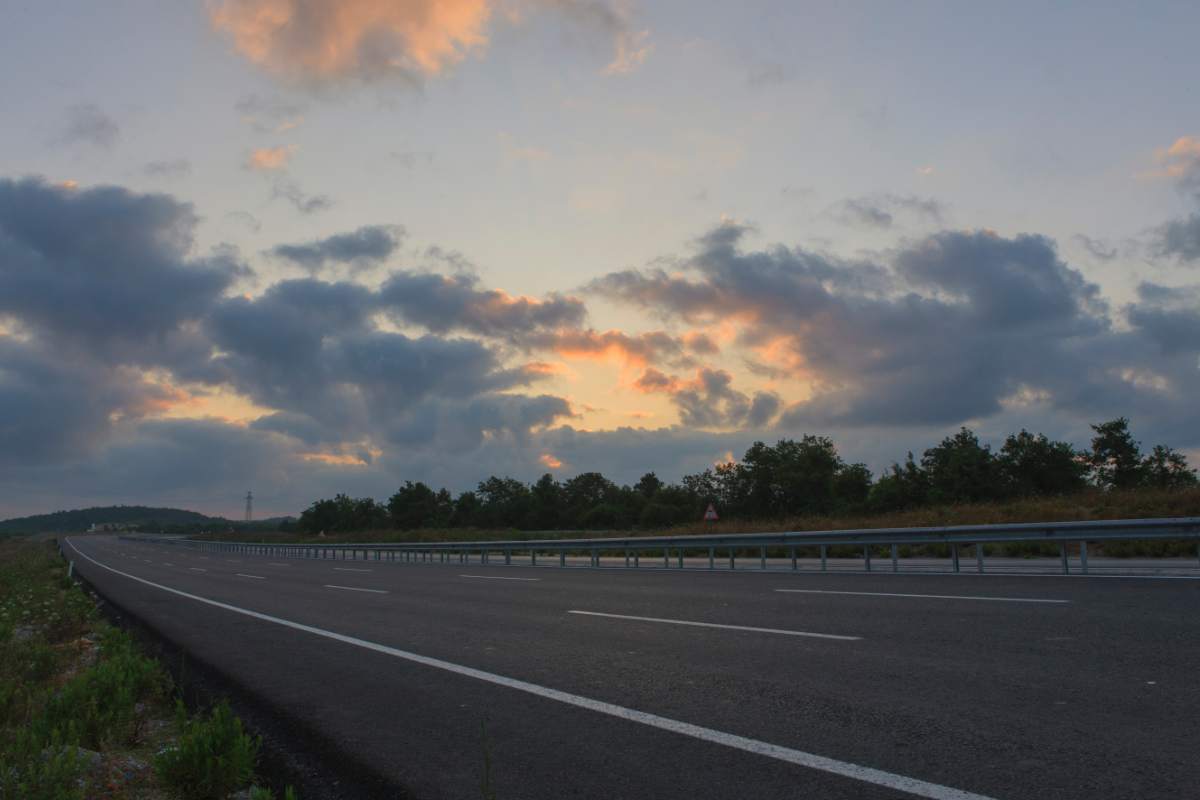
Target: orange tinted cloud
[(638, 351), (1180, 159), (270, 158), (549, 461), (331, 40)]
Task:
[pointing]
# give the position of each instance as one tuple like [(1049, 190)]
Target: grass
[(1088, 505), (83, 711)]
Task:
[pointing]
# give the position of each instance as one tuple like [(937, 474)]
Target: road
[(790, 686)]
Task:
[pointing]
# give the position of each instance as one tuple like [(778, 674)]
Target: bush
[(213, 758), (99, 706), (32, 768)]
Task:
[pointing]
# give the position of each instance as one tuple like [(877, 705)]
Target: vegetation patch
[(85, 714)]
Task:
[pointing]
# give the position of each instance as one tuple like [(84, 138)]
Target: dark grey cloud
[(287, 189), (444, 303), (87, 123), (169, 169), (1179, 239), (1097, 248), (955, 327), (104, 270), (879, 211), (710, 401), (1169, 316), (366, 247)]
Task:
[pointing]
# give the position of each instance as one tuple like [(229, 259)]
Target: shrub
[(99, 706), (213, 758)]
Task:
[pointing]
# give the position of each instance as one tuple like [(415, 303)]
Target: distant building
[(111, 527)]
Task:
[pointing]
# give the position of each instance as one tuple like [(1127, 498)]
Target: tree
[(415, 505), (900, 488), (1166, 468), (1116, 458), (547, 502), (1034, 465), (961, 470), (504, 502), (648, 485)]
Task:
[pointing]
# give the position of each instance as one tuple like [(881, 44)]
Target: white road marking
[(355, 589), (715, 625), (350, 569), (277, 564), (234, 560), (932, 596), (498, 578), (256, 577), (846, 769), (197, 569)]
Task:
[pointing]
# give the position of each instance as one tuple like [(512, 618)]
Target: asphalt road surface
[(778, 685)]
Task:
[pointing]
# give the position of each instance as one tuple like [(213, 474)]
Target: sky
[(303, 247)]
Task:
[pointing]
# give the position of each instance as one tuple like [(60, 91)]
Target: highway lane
[(1090, 697)]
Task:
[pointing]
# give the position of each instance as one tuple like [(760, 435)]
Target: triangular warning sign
[(711, 514)]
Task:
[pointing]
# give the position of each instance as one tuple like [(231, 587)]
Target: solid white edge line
[(355, 589), (197, 569), (350, 569), (256, 577), (845, 769), (717, 625), (931, 596), (498, 578)]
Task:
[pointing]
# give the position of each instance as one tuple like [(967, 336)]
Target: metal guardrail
[(1066, 535)]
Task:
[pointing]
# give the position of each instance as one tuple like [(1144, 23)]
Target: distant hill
[(81, 519)]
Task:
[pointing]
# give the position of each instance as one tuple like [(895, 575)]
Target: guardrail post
[(823, 565), (792, 553), (562, 558), (507, 557), (731, 561), (1083, 557), (762, 564), (680, 554), (626, 558), (637, 559), (596, 557), (867, 556), (895, 559), (954, 555), (666, 558), (1066, 565), (712, 555)]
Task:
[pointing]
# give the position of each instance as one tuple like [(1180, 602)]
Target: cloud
[(612, 20), (269, 114), (1097, 248), (879, 211), (268, 159), (939, 334), (287, 189), (172, 169), (709, 400), (87, 123), (443, 304), (366, 247), (1179, 239), (334, 41), (104, 270)]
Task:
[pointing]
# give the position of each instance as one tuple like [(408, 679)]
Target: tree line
[(790, 478)]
